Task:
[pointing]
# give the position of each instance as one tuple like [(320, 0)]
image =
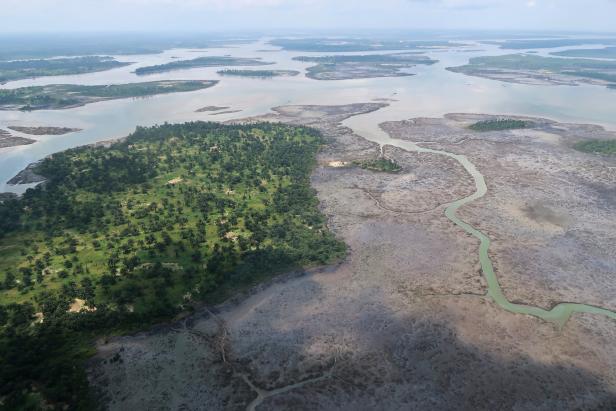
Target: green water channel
[(560, 313)]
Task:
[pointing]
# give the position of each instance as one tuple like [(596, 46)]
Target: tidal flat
[(409, 305), (539, 70)]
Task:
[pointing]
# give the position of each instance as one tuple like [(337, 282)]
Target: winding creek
[(561, 312)]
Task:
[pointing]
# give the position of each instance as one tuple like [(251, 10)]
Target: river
[(432, 92)]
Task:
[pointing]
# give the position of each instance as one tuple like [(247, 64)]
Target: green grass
[(607, 147), (500, 124), (141, 230)]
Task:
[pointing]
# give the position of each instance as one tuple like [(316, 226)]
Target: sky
[(272, 15)]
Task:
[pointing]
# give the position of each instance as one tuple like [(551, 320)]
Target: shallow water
[(432, 92)]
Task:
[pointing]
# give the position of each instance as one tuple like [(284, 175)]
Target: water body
[(432, 92)]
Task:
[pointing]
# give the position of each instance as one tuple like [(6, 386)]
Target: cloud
[(186, 15)]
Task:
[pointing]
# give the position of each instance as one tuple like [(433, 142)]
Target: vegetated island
[(500, 124), (604, 53), (122, 236), (9, 140), (208, 61), (259, 73), (63, 96), (44, 131), (328, 45), (22, 69), (606, 147), (381, 164), (549, 43), (363, 66), (532, 69)]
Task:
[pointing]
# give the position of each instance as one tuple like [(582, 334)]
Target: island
[(534, 69), (63, 96), (142, 230), (549, 43), (328, 45), (210, 108), (603, 53), (22, 69), (200, 62), (44, 131), (258, 73), (9, 140), (363, 66)]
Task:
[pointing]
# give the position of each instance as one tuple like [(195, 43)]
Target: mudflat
[(404, 322), (9, 140)]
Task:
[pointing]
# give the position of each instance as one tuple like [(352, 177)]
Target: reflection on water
[(432, 92)]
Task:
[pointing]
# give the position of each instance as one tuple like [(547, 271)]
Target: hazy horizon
[(306, 15)]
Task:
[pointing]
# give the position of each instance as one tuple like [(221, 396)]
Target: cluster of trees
[(381, 164), (140, 229), (500, 124), (597, 146)]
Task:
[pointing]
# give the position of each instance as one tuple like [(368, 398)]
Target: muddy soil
[(403, 323)]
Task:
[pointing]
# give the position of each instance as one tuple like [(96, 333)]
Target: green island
[(363, 66), (22, 69), (603, 53), (124, 236), (549, 43), (258, 73), (329, 45), (63, 96), (500, 124), (607, 147), (381, 164), (200, 62), (533, 69)]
